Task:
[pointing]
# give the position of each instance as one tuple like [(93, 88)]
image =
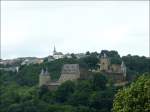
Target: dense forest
[(19, 91)]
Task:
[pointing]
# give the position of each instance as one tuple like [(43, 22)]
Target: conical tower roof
[(42, 72), (46, 72)]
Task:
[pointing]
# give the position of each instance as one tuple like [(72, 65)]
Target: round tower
[(44, 78)]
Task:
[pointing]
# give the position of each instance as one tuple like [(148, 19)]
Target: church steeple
[(54, 49)]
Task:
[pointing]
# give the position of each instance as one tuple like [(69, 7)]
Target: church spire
[(54, 49)]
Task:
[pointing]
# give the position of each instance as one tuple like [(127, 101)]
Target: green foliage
[(99, 81), (87, 53), (55, 67), (115, 60), (135, 98), (111, 53), (61, 108), (28, 75), (90, 62), (7, 77), (14, 97), (101, 100), (64, 91), (69, 97), (73, 56), (137, 64)]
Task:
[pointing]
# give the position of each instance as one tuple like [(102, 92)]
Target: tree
[(91, 62), (43, 90), (87, 53), (137, 63), (115, 60), (73, 56), (111, 53), (64, 91), (101, 100), (81, 94), (135, 98), (99, 81)]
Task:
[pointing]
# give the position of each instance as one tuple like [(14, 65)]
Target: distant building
[(67, 55), (9, 62), (69, 72), (50, 58), (13, 69), (116, 72), (80, 55), (57, 55), (32, 61)]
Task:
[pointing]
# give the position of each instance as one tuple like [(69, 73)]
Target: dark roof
[(70, 69), (58, 53)]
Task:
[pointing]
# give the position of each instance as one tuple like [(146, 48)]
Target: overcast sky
[(32, 28)]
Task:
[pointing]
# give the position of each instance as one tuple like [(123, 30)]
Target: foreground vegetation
[(135, 98), (89, 95)]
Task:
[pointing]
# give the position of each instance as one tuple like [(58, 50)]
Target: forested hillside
[(19, 91)]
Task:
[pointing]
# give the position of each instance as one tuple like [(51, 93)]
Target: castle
[(69, 72), (116, 72)]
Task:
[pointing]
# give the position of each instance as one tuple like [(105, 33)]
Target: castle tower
[(123, 69), (44, 78), (104, 63)]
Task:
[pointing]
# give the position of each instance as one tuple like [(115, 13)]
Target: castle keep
[(116, 72)]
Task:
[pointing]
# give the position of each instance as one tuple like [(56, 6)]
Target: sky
[(32, 28)]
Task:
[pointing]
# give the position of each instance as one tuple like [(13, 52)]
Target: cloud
[(32, 28)]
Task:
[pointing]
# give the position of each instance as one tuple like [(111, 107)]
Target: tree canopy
[(135, 98)]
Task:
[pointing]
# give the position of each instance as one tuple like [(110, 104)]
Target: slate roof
[(70, 69)]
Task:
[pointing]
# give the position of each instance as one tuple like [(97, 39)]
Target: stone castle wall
[(65, 77)]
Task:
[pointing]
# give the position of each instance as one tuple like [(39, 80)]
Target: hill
[(19, 91)]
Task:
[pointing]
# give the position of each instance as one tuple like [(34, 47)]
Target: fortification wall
[(65, 77)]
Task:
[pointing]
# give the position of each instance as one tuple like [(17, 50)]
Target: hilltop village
[(14, 64)]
